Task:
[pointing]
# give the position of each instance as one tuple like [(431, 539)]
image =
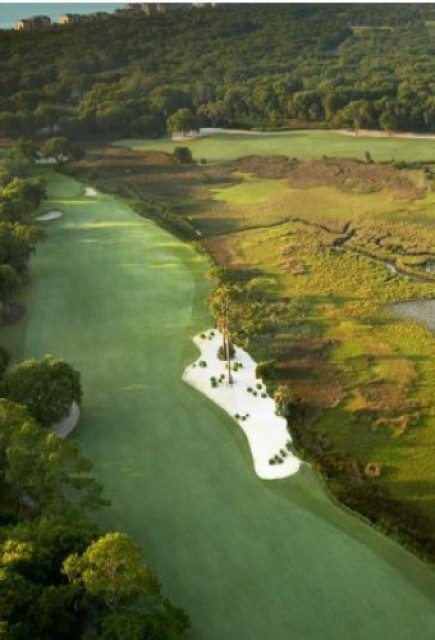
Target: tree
[(112, 572), (282, 399), (17, 243), (114, 576), (61, 149), (45, 469), (46, 387), (182, 120), (20, 197), (221, 306)]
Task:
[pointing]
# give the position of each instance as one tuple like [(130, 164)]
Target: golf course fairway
[(120, 299)]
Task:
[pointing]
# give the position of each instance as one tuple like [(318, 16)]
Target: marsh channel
[(248, 559)]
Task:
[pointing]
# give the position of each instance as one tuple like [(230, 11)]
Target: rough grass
[(299, 144)]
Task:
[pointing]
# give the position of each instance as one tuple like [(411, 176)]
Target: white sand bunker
[(50, 215), (253, 410), (91, 192), (64, 427)]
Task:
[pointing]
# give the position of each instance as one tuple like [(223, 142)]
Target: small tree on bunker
[(61, 149), (282, 400), (220, 303), (46, 387)]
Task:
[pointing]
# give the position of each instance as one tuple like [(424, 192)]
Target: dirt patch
[(263, 166), (357, 177)]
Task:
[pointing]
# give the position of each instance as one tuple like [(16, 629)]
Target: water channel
[(248, 559)]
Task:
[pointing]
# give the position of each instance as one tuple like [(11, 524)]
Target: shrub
[(202, 363), (264, 395), (265, 369), (183, 155)]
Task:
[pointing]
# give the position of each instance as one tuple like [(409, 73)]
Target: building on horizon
[(35, 22), (72, 18)]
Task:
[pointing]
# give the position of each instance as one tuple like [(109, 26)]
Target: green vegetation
[(265, 65), (47, 388), (306, 246), (177, 471), (295, 144), (47, 589)]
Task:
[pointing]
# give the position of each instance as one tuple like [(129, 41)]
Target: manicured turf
[(299, 144), (250, 560)]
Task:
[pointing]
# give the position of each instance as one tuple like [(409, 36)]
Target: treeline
[(20, 196), (231, 65)]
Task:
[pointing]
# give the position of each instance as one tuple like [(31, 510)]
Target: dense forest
[(259, 65)]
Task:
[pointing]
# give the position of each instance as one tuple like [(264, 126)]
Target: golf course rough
[(301, 144), (120, 299)]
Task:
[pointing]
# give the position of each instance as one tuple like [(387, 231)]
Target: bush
[(265, 369), (183, 155)]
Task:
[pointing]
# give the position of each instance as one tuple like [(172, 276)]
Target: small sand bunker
[(91, 192), (50, 215), (64, 427)]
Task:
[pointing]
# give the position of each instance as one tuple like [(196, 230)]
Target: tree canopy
[(232, 64), (46, 387)]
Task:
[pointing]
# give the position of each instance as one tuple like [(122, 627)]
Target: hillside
[(250, 65)]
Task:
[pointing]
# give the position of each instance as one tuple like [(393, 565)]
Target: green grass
[(120, 299), (381, 370), (299, 144)]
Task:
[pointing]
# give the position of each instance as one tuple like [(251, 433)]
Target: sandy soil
[(266, 432), (209, 131), (373, 133), (64, 427), (50, 215)]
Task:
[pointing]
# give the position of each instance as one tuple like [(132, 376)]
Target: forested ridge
[(241, 64)]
